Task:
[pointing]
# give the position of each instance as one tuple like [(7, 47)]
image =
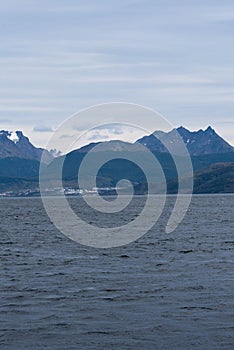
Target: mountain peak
[(15, 144), (197, 142), (209, 129), (181, 128), (9, 136), (19, 133), (13, 136), (112, 146)]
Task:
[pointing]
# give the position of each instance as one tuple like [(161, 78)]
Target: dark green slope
[(17, 184), (217, 178), (212, 173), (14, 167), (118, 168)]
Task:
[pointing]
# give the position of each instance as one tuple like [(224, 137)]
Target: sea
[(163, 291)]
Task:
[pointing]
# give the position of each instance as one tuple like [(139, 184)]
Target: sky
[(60, 56)]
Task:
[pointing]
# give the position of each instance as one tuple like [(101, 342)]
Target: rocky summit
[(16, 144), (199, 142)]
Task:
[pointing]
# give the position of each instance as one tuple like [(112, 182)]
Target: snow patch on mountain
[(13, 136)]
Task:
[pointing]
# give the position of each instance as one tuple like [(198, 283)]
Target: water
[(165, 291)]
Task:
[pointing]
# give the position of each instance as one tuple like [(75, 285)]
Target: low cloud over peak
[(42, 128)]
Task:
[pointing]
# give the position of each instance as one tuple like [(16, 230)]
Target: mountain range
[(212, 158)]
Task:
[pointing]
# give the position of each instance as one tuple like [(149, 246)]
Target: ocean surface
[(164, 291)]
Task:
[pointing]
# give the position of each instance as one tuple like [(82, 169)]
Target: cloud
[(105, 132), (66, 136), (226, 122), (113, 128), (27, 109), (5, 121), (54, 6), (42, 129), (97, 136), (58, 57), (113, 131), (222, 15)]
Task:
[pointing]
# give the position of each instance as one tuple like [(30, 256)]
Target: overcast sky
[(60, 56)]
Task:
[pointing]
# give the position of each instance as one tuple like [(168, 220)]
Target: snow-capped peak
[(13, 136)]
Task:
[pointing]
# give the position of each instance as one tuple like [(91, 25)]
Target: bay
[(164, 291)]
